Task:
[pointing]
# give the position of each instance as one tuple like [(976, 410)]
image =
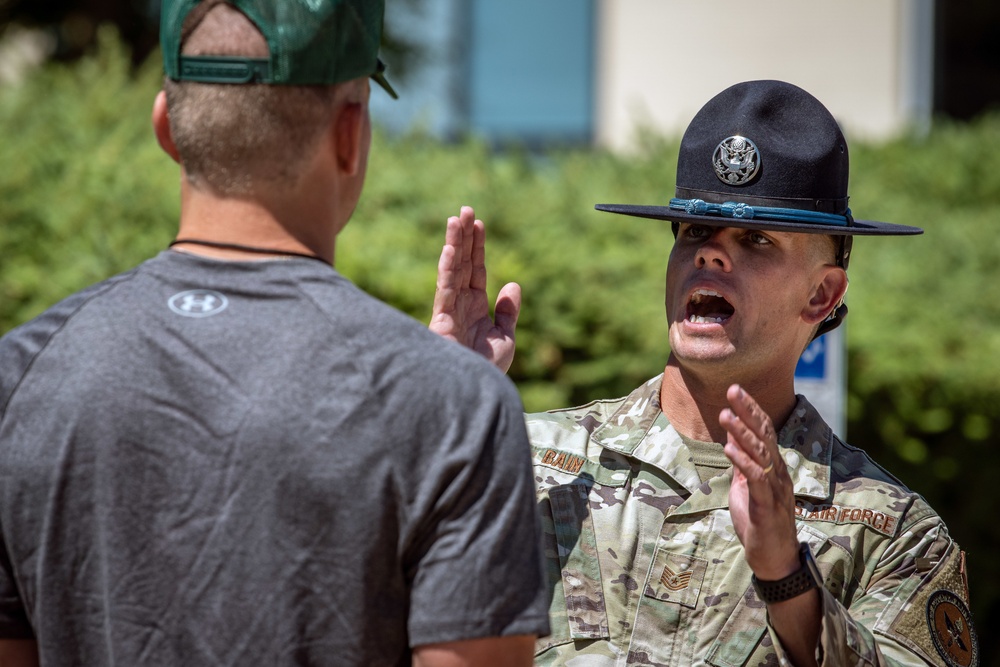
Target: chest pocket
[(678, 578), (577, 609), (744, 638)]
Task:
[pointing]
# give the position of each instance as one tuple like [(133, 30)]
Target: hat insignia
[(736, 160)]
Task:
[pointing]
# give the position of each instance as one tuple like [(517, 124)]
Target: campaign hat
[(311, 42), (764, 155)]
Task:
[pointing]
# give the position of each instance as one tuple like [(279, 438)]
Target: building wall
[(600, 70), (660, 60)]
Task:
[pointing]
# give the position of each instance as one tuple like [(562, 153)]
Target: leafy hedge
[(85, 193)]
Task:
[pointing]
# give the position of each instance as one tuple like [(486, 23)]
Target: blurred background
[(534, 111)]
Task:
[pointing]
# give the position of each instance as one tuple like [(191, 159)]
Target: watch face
[(810, 563)]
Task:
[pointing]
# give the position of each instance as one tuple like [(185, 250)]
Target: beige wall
[(660, 60)]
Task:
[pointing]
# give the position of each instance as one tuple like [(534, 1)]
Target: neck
[(692, 401), (278, 225)]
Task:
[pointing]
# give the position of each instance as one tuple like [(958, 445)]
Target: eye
[(696, 231), (757, 238)]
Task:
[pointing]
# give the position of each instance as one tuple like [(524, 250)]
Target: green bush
[(84, 190), (85, 193)]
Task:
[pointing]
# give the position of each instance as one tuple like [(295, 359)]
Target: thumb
[(508, 308)]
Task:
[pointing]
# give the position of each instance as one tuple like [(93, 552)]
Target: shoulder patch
[(950, 624), (935, 619)]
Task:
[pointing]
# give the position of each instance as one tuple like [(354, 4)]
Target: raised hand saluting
[(461, 306)]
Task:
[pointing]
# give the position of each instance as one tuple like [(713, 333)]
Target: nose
[(713, 253)]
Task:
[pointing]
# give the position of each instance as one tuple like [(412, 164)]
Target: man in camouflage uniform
[(712, 516)]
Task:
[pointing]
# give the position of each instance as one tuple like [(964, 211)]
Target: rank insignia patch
[(951, 629), (680, 580), (736, 160), (674, 581)]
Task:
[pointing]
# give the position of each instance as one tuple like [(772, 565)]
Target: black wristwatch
[(806, 578)]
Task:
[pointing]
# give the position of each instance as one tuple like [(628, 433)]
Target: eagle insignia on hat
[(736, 160)]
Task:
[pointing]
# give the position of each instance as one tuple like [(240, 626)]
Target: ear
[(161, 127), (348, 130), (826, 295)]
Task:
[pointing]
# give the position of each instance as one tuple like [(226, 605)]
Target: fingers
[(467, 222), (453, 234), (446, 291), (477, 278), (467, 236), (458, 249), (752, 444), (761, 497), (467, 218), (453, 273)]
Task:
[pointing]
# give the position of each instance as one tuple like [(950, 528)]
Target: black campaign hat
[(764, 155)]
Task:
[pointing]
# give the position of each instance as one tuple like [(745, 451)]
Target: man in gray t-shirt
[(230, 455)]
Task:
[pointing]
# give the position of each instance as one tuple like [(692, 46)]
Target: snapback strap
[(224, 69)]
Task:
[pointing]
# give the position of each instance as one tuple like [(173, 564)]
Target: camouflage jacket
[(645, 568)]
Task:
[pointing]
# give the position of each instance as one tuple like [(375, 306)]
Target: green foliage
[(924, 334), (85, 193), (84, 190), (589, 326)]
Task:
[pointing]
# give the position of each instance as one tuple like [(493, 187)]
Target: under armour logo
[(198, 303)]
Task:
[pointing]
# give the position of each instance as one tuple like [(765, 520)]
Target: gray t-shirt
[(248, 463)]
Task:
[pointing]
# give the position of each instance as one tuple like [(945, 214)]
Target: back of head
[(251, 85), (235, 140)]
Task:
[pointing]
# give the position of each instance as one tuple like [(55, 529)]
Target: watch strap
[(801, 581)]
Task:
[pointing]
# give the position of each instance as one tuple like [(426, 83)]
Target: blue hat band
[(742, 211)]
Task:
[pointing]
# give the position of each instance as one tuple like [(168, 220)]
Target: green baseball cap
[(311, 42)]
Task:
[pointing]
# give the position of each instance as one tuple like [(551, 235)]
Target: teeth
[(699, 293), (697, 297)]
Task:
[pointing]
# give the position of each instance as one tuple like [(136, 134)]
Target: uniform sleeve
[(478, 571), (914, 611)]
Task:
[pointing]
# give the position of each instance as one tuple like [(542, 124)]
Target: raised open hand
[(761, 498), (461, 306)]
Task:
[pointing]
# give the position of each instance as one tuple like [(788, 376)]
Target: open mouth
[(708, 307)]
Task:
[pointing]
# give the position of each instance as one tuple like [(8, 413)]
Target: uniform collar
[(639, 429), (807, 443)]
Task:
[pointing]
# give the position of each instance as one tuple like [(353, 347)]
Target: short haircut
[(832, 248), (239, 139)]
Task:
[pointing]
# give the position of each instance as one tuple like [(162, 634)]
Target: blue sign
[(812, 363)]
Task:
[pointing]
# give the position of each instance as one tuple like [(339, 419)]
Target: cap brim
[(858, 228)]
